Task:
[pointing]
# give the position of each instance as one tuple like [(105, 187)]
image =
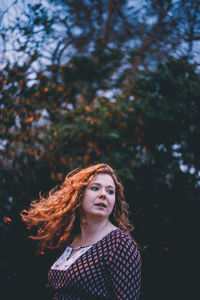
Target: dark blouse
[(110, 269)]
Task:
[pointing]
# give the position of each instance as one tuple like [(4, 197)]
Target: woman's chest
[(87, 271)]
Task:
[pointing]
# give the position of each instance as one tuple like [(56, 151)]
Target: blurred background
[(103, 81)]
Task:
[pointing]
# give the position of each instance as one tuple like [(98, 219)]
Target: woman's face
[(99, 197)]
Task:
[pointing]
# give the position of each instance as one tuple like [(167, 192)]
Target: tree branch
[(5, 11), (107, 25)]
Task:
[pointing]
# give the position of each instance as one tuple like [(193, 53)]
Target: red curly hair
[(57, 216)]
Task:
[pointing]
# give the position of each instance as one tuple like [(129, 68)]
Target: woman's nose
[(103, 193)]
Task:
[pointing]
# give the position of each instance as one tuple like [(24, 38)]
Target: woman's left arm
[(125, 270)]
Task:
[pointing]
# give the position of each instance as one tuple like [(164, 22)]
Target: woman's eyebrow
[(110, 186)]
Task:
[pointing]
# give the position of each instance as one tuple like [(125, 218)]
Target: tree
[(147, 134), (109, 39)]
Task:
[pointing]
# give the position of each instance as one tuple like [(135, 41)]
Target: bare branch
[(5, 11), (138, 54), (107, 25)]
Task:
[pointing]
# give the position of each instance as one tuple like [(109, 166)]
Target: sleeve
[(124, 270)]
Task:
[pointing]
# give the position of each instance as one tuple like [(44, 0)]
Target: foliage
[(143, 32), (149, 133)]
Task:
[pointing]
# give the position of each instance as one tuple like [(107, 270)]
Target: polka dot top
[(109, 269)]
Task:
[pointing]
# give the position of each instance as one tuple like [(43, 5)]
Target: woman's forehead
[(104, 179)]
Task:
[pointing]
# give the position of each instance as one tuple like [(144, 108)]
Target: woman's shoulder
[(119, 244), (118, 234), (118, 237)]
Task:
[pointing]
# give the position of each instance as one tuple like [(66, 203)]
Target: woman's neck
[(93, 232)]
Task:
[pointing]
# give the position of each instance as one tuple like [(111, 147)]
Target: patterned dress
[(109, 269)]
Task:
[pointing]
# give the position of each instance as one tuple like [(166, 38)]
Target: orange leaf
[(60, 176), (87, 108), (97, 151), (70, 160), (47, 127), (63, 160), (7, 220), (29, 119), (86, 158), (61, 88), (167, 249)]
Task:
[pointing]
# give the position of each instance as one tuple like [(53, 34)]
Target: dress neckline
[(82, 247)]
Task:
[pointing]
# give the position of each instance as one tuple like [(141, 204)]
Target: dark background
[(103, 81)]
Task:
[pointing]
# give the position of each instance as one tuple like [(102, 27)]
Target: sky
[(10, 9)]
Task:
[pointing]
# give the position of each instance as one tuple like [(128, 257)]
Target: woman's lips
[(101, 204)]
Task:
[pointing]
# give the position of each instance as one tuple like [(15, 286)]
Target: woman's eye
[(94, 188), (110, 192)]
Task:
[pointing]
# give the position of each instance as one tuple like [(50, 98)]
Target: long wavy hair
[(57, 217)]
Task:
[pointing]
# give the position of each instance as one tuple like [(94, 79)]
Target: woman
[(87, 219)]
